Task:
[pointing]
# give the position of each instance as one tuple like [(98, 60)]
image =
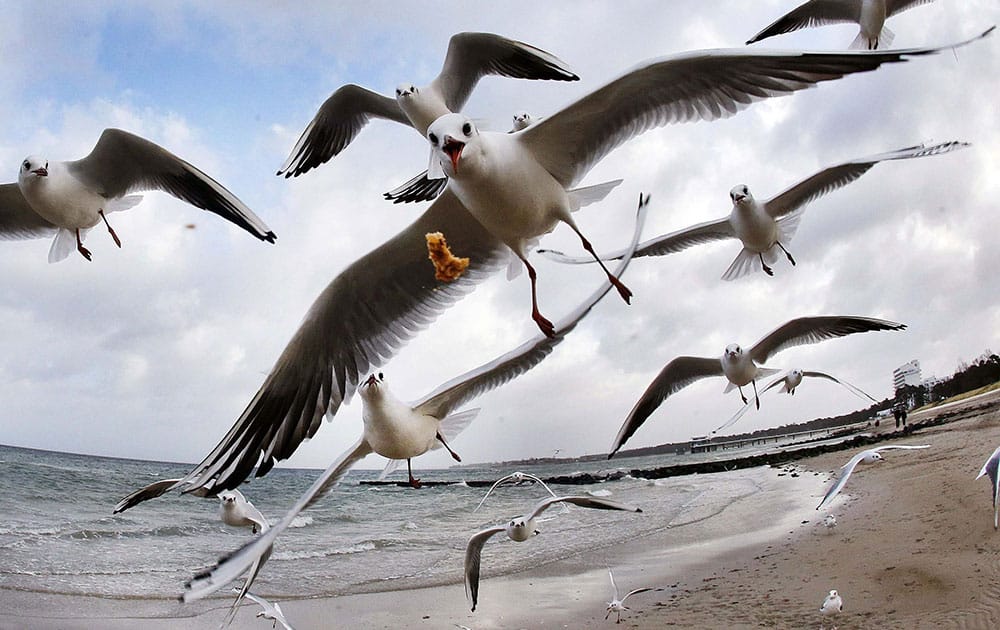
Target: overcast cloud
[(154, 350)]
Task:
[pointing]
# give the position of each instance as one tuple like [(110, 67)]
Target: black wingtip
[(638, 510), (270, 237)]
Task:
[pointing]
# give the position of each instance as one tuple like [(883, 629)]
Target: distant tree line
[(984, 371)]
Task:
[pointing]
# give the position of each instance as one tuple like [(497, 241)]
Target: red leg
[(414, 483), (113, 235), (622, 289), (545, 325), (453, 453), (80, 248)]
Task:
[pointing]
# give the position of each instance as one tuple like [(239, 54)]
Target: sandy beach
[(914, 548)]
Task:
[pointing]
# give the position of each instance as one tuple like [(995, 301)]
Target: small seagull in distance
[(870, 15), (522, 528), (69, 198), (739, 366), (868, 456), (515, 477), (833, 604), (270, 610), (618, 606)]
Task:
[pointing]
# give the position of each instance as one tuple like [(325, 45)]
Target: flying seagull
[(789, 381), (470, 57), (521, 185), (867, 456), (618, 606), (765, 228), (68, 198), (522, 528), (399, 430), (990, 469), (739, 366), (515, 477), (870, 15)]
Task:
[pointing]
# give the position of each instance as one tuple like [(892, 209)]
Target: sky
[(152, 351)]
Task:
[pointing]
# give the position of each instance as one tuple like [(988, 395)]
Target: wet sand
[(914, 548)]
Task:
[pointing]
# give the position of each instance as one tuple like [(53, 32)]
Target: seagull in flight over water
[(521, 185), (398, 430), (870, 15), (522, 528), (764, 227), (789, 382), (739, 366), (470, 57), (69, 198)]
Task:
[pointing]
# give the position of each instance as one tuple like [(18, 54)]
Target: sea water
[(58, 533)]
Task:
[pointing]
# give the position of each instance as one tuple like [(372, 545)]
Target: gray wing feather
[(418, 188), (807, 330), (339, 120), (701, 85), (121, 163), (473, 555), (838, 176), (583, 501), (360, 320), (508, 366), (671, 243), (472, 56), (674, 376), (17, 219), (892, 7), (812, 13)]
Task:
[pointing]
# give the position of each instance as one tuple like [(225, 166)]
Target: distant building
[(907, 374)]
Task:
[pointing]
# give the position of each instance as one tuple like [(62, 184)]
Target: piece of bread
[(446, 266)]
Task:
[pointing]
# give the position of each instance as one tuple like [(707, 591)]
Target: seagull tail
[(124, 203), (63, 245), (580, 197)]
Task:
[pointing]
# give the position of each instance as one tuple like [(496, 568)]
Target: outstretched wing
[(584, 501), (671, 243), (472, 56), (122, 163), (674, 376), (473, 555), (851, 388), (892, 7), (701, 85), (17, 219), (526, 356), (812, 13), (360, 320), (807, 330), (838, 176), (418, 188), (339, 120)]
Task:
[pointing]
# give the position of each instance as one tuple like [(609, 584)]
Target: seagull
[(236, 510), (870, 15), (69, 198), (990, 469), (521, 185), (514, 477), (616, 605), (421, 188), (399, 430), (868, 456), (522, 528), (789, 381), (270, 611), (740, 367), (764, 227), (833, 604), (470, 57)]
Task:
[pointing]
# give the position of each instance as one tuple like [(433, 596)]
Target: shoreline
[(904, 554)]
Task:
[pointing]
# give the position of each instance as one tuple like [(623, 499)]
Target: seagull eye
[(433, 138), (745, 190), (26, 165), (380, 377), (467, 129)]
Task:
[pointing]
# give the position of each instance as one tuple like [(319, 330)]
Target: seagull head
[(739, 194), (518, 529), (449, 136), (33, 166), (733, 351), (873, 457), (522, 120), (406, 90), (228, 498)]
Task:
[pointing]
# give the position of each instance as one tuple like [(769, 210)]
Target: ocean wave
[(368, 545), (300, 521), (599, 493), (156, 532)]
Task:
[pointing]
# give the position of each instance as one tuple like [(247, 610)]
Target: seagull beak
[(41, 172), (372, 381), (453, 149)]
